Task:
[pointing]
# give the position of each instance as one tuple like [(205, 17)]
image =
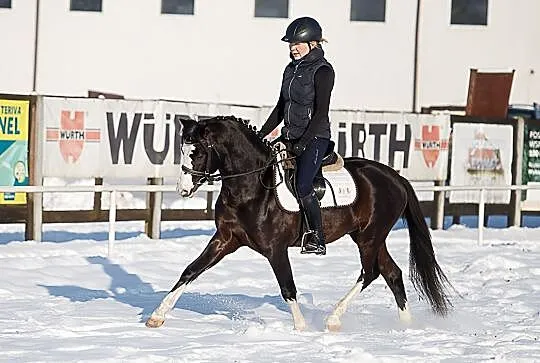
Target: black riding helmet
[(303, 30)]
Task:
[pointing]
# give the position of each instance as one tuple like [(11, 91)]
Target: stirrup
[(311, 246), (317, 250)]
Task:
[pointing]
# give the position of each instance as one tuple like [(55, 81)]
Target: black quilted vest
[(298, 91)]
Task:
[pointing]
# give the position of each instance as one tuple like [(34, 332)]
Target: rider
[(303, 104)]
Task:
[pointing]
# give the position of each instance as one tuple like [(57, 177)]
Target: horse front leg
[(282, 269), (216, 249)]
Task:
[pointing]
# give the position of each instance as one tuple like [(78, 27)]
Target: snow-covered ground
[(68, 301)]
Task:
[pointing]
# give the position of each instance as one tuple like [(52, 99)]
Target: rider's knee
[(304, 189)]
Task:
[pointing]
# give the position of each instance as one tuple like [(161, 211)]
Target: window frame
[(279, 16), (358, 3), (99, 10), (467, 22), (168, 11)]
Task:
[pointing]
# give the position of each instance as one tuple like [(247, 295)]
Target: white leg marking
[(158, 316), (405, 315), (333, 322), (298, 318)]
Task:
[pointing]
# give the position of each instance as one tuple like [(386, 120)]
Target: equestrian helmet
[(303, 30)]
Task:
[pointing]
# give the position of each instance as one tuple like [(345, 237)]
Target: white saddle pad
[(341, 181)]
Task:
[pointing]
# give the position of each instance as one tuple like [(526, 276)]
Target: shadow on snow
[(60, 236), (129, 289)]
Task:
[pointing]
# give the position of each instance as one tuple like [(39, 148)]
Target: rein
[(206, 176)]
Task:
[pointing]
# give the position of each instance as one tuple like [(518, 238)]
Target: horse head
[(223, 143), (199, 161)]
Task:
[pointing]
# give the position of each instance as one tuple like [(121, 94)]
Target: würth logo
[(431, 144), (71, 136)]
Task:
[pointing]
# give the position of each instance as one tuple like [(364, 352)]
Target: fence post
[(514, 214), (112, 221), (481, 214), (97, 196), (154, 201), (209, 205), (438, 199), (36, 160)]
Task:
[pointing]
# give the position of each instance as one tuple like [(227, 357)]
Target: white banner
[(87, 138), (108, 138), (481, 155), (414, 144)]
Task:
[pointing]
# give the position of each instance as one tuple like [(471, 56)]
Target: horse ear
[(187, 122), (189, 127)]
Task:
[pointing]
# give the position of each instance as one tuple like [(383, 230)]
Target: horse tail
[(425, 273)]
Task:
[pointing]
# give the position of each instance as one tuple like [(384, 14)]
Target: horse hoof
[(333, 324), (405, 315), (154, 322)]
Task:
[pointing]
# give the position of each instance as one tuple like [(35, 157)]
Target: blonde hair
[(317, 43)]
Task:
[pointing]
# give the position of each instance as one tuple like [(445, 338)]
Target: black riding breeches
[(308, 164)]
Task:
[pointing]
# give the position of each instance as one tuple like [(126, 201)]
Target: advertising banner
[(13, 148), (109, 138), (416, 145), (141, 138), (119, 138), (482, 156)]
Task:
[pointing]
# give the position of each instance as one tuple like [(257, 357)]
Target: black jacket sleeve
[(324, 83), (275, 117)]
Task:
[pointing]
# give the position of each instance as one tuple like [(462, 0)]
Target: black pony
[(247, 214)]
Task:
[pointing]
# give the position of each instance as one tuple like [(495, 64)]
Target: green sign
[(531, 154)]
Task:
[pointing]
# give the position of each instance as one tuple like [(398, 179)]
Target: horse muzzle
[(185, 186), (188, 193)]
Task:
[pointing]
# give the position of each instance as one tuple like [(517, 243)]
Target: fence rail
[(114, 189)]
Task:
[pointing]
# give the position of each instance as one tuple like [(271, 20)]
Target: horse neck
[(244, 157)]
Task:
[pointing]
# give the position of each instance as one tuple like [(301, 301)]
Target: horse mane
[(251, 130)]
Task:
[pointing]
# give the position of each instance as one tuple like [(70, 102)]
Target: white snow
[(66, 300)]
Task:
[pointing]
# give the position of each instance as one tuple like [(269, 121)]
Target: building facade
[(230, 51)]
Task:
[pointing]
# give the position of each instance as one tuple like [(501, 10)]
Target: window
[(5, 4), (85, 5), (177, 7), (368, 10), (470, 12), (271, 8)]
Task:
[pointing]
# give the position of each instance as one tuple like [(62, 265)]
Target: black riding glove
[(298, 147), (261, 135)]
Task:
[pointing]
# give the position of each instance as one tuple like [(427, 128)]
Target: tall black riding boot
[(314, 242)]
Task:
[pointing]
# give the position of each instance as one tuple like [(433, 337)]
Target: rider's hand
[(298, 148), (261, 135)]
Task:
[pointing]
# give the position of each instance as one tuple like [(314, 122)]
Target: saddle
[(332, 161)]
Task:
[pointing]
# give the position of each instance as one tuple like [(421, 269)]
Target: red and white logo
[(431, 144), (71, 136)]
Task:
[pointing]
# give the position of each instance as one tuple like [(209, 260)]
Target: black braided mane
[(250, 129)]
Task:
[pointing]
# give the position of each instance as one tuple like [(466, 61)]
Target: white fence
[(114, 189)]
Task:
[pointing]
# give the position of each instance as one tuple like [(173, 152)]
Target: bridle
[(207, 176)]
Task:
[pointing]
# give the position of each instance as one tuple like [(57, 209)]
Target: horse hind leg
[(393, 277), (370, 271)]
